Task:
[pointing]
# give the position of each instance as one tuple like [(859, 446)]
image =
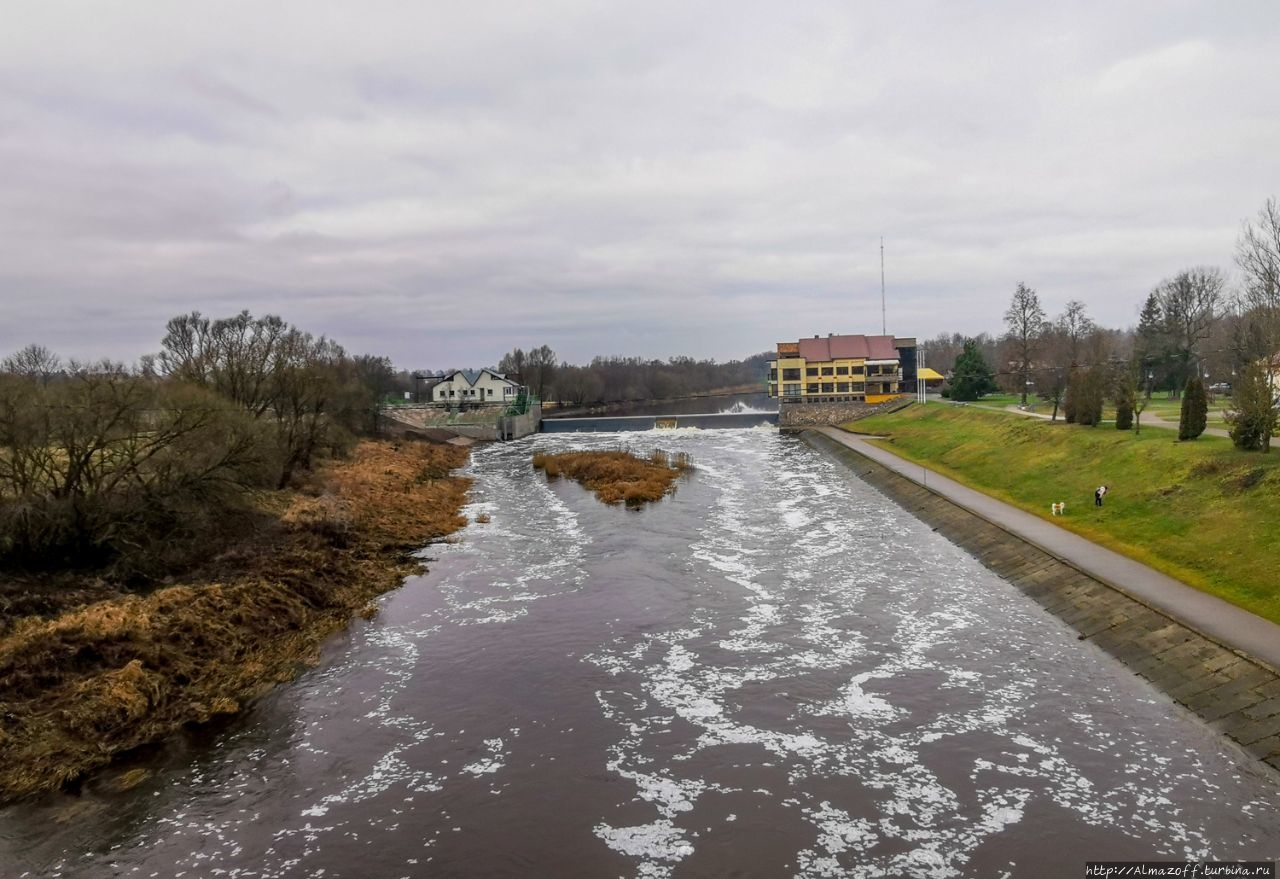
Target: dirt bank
[(81, 686)]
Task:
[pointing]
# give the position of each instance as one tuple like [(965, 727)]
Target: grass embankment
[(1160, 406), (617, 476), (1200, 511), (79, 688)]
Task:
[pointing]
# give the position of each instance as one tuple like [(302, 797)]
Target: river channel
[(775, 672)]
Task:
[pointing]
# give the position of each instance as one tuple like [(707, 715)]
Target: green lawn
[(1159, 405), (1200, 511)]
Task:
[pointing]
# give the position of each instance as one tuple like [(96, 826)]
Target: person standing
[(1099, 493)]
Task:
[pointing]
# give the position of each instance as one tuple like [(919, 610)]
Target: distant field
[(1200, 511)]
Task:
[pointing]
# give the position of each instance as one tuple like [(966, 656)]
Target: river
[(775, 672)]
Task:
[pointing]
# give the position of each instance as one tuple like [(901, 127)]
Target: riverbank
[(1202, 512), (1238, 693), (81, 687)]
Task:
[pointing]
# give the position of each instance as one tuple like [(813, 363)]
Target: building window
[(828, 388), (791, 390), (773, 375), (811, 388), (842, 387), (791, 375), (827, 370), (842, 370), (811, 372)]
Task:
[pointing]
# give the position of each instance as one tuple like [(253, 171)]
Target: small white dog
[(1058, 509)]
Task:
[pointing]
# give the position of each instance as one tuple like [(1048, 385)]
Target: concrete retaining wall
[(1236, 694), (651, 422), (830, 414)]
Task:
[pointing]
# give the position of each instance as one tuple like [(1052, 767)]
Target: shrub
[(103, 466)]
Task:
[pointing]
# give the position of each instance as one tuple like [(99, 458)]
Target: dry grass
[(617, 476), (95, 681)]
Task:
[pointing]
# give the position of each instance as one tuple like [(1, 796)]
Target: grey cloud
[(442, 183)]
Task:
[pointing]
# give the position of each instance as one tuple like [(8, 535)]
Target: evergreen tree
[(1253, 421), (971, 378), (1149, 343), (1071, 397), (1195, 409), (1125, 394)]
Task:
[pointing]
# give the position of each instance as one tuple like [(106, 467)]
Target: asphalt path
[(1229, 625)]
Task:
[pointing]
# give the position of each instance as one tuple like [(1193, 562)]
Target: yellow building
[(840, 369)]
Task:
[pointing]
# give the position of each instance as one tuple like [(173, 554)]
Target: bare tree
[(1258, 256), (33, 361), (1076, 327), (1025, 322), (1190, 302)]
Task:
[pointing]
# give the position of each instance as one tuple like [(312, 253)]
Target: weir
[(609, 424)]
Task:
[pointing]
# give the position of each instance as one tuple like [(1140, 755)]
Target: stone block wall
[(814, 414)]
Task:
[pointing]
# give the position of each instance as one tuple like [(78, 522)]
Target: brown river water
[(776, 672)]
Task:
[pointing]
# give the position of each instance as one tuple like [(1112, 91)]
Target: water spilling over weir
[(774, 672)]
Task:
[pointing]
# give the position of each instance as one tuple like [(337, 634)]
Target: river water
[(774, 672)]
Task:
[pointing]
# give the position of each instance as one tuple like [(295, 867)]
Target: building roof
[(848, 347), (471, 376)]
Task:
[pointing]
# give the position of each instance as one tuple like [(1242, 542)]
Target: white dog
[(1058, 509)]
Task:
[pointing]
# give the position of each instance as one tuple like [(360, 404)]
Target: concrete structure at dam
[(604, 424)]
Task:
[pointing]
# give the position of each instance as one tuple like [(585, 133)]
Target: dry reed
[(618, 476), (98, 680)]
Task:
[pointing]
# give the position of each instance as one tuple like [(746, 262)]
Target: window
[(842, 387), (773, 375), (811, 388), (791, 375), (450, 392), (791, 390), (842, 370), (828, 388), (827, 370), (811, 371)]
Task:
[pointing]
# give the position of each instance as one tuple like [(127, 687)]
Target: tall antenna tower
[(883, 330)]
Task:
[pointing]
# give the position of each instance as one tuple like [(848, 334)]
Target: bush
[(103, 466)]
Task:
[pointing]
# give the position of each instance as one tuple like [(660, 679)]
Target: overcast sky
[(441, 182)]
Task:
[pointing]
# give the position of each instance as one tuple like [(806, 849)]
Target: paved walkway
[(1225, 623)]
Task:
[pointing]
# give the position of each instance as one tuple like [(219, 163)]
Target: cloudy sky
[(441, 182)]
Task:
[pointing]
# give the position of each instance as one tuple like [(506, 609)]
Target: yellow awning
[(929, 375)]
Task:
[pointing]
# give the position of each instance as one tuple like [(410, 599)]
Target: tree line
[(103, 463), (628, 379), (1193, 327)]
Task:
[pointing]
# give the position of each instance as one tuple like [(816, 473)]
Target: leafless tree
[(1190, 302), (1258, 256), (1025, 325), (1076, 327), (33, 361)]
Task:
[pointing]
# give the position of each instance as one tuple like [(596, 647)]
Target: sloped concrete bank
[(1236, 693)]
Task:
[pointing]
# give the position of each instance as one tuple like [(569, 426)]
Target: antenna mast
[(883, 330)]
